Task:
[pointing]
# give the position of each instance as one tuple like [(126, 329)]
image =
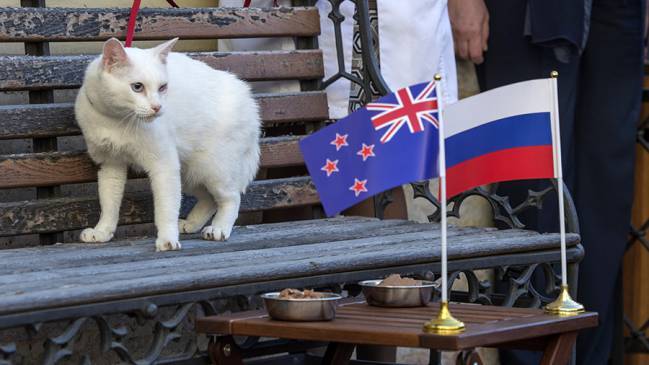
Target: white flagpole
[(564, 304), (442, 193), (444, 322), (559, 172)]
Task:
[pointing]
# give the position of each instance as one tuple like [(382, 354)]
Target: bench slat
[(65, 72), (114, 258), (209, 259), (57, 168), (98, 24), (48, 120), (253, 237), (209, 265), (135, 262), (51, 215)]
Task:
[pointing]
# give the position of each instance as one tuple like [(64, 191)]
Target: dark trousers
[(599, 101)]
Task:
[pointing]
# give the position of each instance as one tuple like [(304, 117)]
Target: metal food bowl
[(397, 296), (301, 310)]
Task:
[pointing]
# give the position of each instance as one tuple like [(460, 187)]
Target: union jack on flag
[(406, 110), (364, 153)]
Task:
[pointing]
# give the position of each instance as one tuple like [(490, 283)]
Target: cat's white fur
[(205, 137)]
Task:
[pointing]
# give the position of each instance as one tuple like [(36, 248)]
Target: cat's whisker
[(127, 118)]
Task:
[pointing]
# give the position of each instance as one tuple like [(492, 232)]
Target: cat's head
[(133, 81)]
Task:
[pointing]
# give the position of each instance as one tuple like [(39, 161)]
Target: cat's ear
[(114, 54), (163, 49)]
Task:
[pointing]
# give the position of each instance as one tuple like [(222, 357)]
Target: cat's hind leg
[(201, 212), (227, 211)]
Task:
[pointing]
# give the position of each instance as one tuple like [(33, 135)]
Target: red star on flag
[(359, 186), (340, 141), (366, 151), (330, 167)]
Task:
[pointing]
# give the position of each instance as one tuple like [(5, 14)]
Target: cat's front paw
[(91, 235), (216, 233), (186, 226), (163, 244)]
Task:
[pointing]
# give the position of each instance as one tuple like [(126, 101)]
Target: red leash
[(130, 31), (246, 3)]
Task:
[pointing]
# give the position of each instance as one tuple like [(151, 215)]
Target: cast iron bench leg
[(559, 349), (338, 353), (225, 352)]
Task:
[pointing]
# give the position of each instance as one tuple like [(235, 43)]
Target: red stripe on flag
[(519, 163)]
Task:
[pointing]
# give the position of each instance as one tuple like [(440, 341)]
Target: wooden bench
[(121, 301)]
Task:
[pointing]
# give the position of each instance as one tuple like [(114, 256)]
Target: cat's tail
[(252, 154), (251, 164)]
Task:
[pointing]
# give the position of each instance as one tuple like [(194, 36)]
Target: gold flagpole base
[(444, 323), (564, 305)]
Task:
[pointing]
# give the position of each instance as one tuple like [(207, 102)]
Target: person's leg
[(608, 107), (511, 58)]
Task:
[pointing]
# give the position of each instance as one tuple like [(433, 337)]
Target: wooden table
[(357, 323)]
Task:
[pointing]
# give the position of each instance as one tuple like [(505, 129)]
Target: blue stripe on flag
[(516, 131)]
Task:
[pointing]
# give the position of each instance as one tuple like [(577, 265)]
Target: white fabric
[(534, 96), (338, 92), (416, 43), (261, 44)]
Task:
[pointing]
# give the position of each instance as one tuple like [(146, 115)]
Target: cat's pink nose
[(156, 108)]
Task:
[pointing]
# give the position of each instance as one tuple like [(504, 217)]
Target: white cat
[(179, 121)]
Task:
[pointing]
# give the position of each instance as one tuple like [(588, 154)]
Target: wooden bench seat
[(266, 256)]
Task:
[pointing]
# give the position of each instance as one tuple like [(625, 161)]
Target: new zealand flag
[(390, 142)]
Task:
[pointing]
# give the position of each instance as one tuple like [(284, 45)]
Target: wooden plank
[(154, 265), (68, 287), (26, 121), (74, 213), (281, 151), (66, 72), (138, 254), (125, 257), (56, 168), (514, 329), (134, 243), (308, 106), (45, 120), (243, 238), (195, 262), (98, 24), (205, 255)]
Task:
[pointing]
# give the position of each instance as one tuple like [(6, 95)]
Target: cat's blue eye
[(163, 88), (138, 87)]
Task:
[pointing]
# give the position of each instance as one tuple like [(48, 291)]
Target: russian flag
[(508, 133)]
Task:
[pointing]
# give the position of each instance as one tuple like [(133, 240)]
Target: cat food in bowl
[(301, 306), (397, 291)]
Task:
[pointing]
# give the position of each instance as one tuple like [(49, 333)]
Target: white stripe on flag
[(520, 98)]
